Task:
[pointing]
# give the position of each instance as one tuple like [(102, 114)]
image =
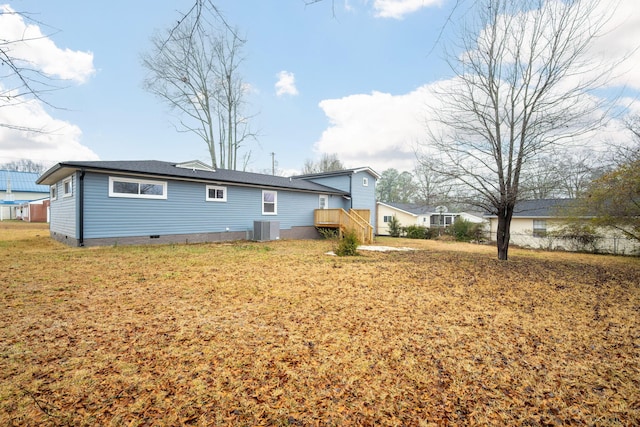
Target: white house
[(416, 214), (534, 221), (16, 189)]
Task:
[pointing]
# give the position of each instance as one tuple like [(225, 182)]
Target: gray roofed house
[(150, 201), (535, 221), (542, 208), (418, 214)]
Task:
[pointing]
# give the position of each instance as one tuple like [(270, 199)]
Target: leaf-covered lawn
[(279, 333)]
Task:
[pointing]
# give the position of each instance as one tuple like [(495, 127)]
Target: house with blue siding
[(140, 202)]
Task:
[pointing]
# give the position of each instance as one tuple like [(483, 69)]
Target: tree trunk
[(504, 232)]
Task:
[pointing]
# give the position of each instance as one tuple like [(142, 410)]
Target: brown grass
[(280, 334)]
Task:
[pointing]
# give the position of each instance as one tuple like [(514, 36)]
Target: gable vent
[(196, 165)]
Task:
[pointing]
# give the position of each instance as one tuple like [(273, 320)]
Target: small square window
[(539, 228), (386, 218), (216, 193), (365, 182), (67, 187), (269, 202), (53, 192)]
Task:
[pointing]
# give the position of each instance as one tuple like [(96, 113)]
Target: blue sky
[(361, 79)]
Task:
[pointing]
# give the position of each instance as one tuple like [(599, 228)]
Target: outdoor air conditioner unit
[(266, 230)]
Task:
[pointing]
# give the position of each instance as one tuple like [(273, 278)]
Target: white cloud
[(54, 141), (286, 84), (397, 9), (620, 39), (381, 129), (46, 140), (377, 130), (28, 44)]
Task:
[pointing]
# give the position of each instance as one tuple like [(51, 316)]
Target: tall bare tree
[(431, 188), (522, 86), (327, 163), (21, 80), (194, 67)]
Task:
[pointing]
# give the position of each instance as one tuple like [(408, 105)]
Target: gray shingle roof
[(337, 173), (414, 208), (541, 208), (162, 169)]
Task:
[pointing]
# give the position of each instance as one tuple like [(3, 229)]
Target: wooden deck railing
[(343, 220)]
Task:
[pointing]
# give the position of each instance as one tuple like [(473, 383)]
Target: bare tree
[(522, 86), (21, 80), (431, 187), (24, 165), (327, 163), (564, 175), (195, 69), (231, 93), (576, 171)]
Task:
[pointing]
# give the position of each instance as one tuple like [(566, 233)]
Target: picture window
[(137, 188)]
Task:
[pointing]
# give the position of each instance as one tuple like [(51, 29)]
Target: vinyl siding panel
[(186, 211), (404, 218), (340, 182), (63, 212), (364, 197), (339, 202)]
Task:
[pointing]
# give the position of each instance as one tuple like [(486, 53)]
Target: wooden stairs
[(356, 220)]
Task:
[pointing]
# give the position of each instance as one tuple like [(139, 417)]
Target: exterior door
[(323, 201)]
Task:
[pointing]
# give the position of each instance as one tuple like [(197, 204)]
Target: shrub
[(581, 237), (418, 232), (348, 245), (394, 227), (465, 231), (328, 233)]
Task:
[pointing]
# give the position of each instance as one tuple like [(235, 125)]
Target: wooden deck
[(356, 220)]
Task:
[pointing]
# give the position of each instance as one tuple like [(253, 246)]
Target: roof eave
[(62, 170)]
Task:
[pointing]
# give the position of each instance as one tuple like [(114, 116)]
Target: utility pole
[(273, 163)]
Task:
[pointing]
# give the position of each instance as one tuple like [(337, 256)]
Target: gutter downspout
[(81, 209), (351, 190)]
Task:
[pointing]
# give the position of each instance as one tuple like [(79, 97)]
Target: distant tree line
[(24, 165)]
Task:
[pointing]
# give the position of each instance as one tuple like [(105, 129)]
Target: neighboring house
[(416, 214), (34, 211), (16, 189), (534, 221), (138, 202)]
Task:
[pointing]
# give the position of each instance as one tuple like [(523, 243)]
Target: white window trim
[(541, 229), (365, 181), (275, 202), (162, 196), (53, 192), (64, 185), (324, 197), (214, 199)]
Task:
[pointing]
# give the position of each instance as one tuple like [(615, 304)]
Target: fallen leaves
[(279, 334)]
